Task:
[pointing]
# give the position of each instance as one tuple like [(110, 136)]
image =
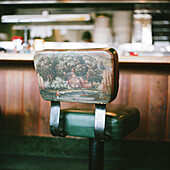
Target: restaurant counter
[(144, 83)]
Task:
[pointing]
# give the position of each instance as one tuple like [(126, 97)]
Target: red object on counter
[(133, 54), (17, 37)]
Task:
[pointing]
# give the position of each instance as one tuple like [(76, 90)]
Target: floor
[(41, 153)]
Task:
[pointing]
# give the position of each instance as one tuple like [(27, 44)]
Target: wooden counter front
[(145, 86)]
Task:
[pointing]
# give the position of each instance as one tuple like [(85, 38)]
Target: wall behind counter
[(145, 86)]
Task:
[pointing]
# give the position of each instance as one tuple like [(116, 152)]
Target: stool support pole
[(55, 118), (96, 154), (99, 124)]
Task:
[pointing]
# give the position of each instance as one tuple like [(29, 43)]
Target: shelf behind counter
[(122, 59)]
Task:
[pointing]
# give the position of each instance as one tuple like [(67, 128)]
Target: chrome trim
[(55, 118), (99, 124)]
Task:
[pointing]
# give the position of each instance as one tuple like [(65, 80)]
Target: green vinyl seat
[(120, 121)]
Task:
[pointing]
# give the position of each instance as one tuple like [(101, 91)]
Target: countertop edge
[(122, 59)]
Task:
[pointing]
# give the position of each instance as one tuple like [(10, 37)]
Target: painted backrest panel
[(85, 76)]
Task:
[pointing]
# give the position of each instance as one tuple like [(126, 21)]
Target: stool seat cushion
[(120, 121)]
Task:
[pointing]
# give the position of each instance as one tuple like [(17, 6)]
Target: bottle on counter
[(17, 43), (38, 44)]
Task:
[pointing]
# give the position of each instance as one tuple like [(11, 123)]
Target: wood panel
[(157, 107), (123, 91), (14, 100), (26, 113), (139, 99), (30, 103), (168, 112), (2, 98), (44, 116)]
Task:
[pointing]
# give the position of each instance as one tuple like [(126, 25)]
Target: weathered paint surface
[(86, 76)]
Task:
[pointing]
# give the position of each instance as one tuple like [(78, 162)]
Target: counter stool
[(84, 76)]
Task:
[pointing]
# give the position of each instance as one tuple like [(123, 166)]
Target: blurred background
[(144, 26)]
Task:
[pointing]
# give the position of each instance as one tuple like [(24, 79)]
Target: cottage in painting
[(75, 81), (85, 83)]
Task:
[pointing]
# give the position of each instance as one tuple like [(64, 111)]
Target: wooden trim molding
[(122, 59)]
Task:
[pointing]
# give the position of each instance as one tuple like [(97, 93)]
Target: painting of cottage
[(75, 81), (66, 74)]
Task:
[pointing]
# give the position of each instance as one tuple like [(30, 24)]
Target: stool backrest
[(78, 75)]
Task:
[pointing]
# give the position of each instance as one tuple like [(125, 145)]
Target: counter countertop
[(122, 59)]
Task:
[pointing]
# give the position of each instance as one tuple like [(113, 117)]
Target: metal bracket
[(55, 118), (99, 125)]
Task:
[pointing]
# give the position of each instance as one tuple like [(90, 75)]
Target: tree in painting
[(55, 70), (59, 83)]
